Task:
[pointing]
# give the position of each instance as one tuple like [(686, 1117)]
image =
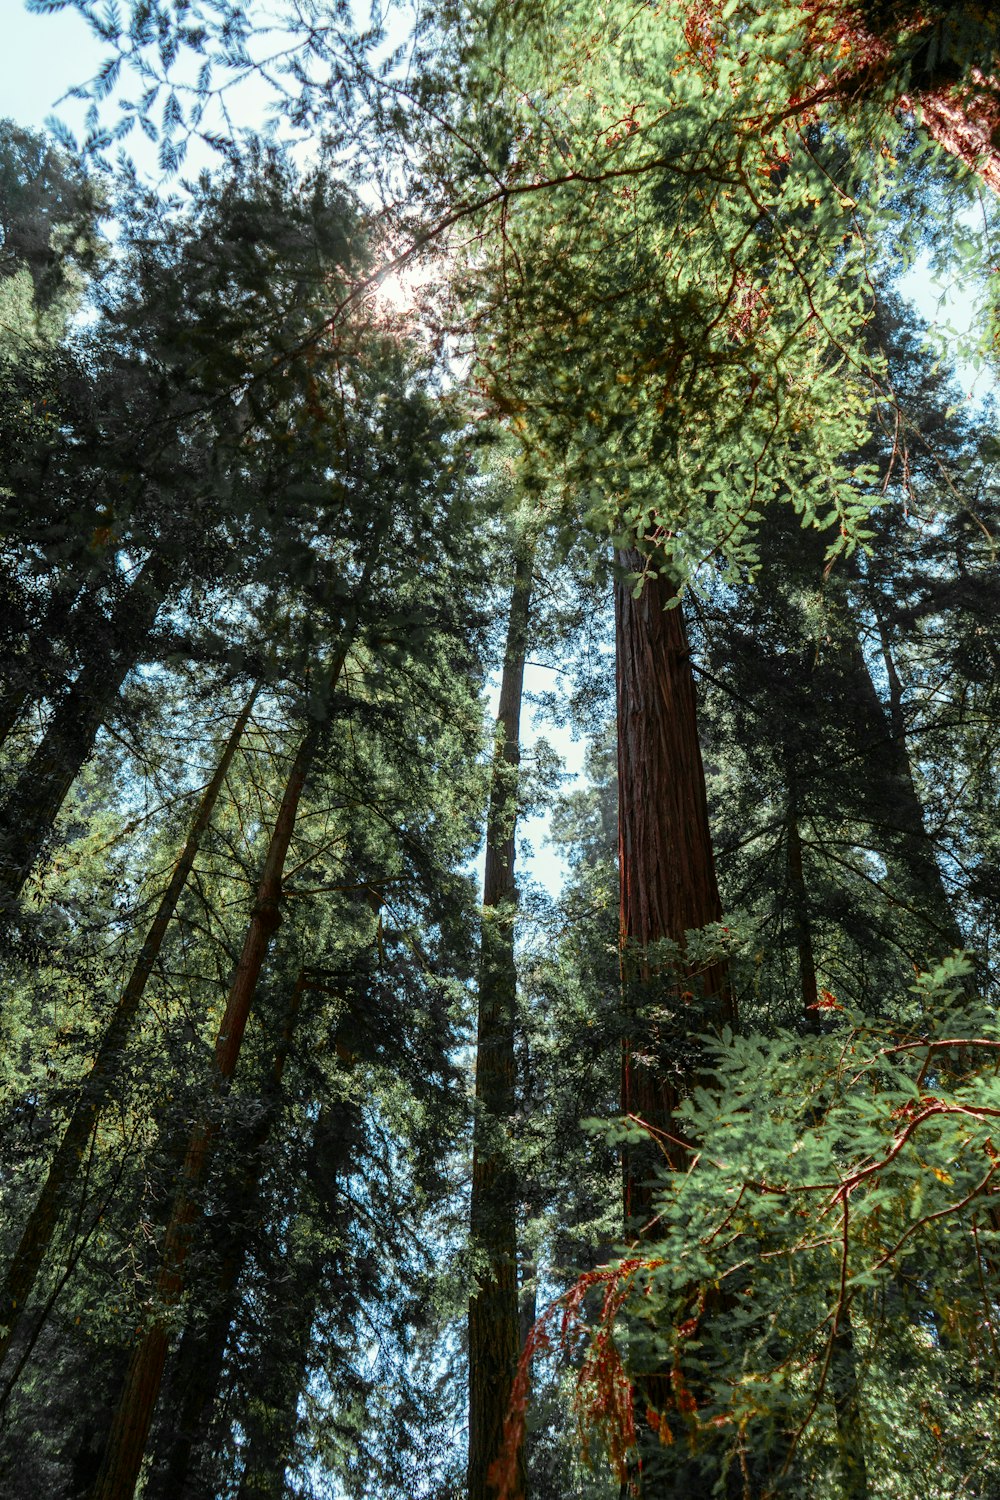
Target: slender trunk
[(130, 1427), (36, 1236), (494, 1322), (843, 1357), (668, 880), (198, 1366), (900, 811), (800, 914), (33, 802), (271, 1418)]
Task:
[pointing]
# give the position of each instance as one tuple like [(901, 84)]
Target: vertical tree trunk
[(197, 1368), (668, 880), (668, 887), (843, 1357), (130, 1427), (36, 1236), (494, 1321), (271, 1418), (900, 810), (802, 927), (32, 805)]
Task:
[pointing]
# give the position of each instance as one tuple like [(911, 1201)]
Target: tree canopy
[(523, 343)]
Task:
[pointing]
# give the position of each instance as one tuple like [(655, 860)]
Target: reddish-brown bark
[(939, 61), (668, 880)]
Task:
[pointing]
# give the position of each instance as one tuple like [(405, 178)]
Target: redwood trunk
[(944, 72), (668, 880), (494, 1318), (36, 1236)]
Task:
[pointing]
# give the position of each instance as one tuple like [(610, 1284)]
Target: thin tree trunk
[(800, 914), (131, 1424), (843, 1357), (494, 1321), (32, 805), (668, 880), (901, 814), (197, 1368), (36, 1236), (271, 1418)]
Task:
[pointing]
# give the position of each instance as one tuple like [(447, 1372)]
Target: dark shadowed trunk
[(197, 1368), (32, 805), (494, 1320), (64, 1168), (843, 1374)]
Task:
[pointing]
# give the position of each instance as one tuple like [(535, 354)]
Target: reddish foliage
[(603, 1399)]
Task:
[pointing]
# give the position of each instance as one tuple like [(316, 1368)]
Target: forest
[(357, 374)]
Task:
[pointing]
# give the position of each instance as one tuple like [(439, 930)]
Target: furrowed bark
[(667, 865), (668, 888), (32, 805), (130, 1426), (938, 62), (36, 1236), (494, 1319)]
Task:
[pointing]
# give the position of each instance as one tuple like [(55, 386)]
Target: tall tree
[(494, 1316)]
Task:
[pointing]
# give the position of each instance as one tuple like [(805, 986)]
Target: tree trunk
[(799, 904), (668, 880), (899, 811), (36, 1236), (271, 1419), (130, 1427), (32, 805), (843, 1357), (494, 1321), (944, 71), (668, 888), (198, 1365)]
